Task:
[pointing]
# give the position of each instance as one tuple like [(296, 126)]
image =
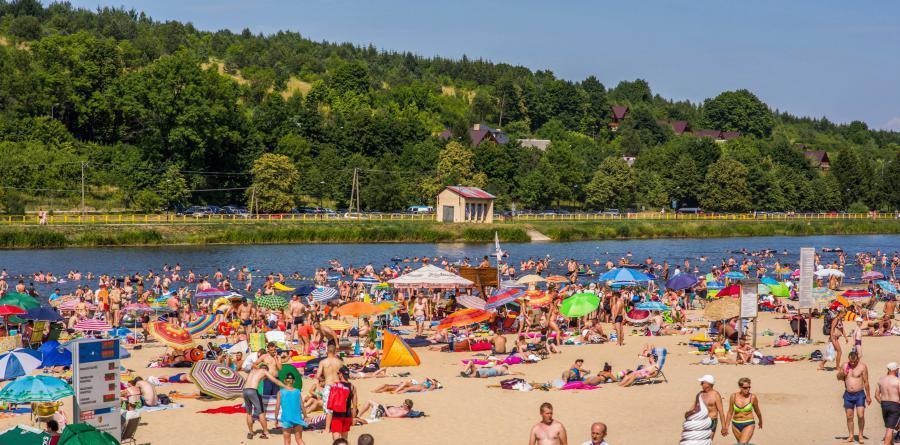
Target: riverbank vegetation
[(414, 232), (155, 114)]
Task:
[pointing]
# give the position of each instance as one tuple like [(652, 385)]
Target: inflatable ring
[(224, 328), (219, 303), (195, 355)]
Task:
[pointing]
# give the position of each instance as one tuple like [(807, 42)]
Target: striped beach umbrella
[(18, 362), (203, 324), (464, 317), (6, 310), (140, 308), (501, 297), (557, 279), (652, 306), (537, 298), (335, 325), (856, 293), (271, 302), (41, 388), (174, 336), (92, 324), (70, 305), (322, 294), (217, 380), (872, 275), (367, 280), (470, 301)]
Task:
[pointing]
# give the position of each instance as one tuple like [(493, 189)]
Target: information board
[(481, 276), (749, 300), (96, 378), (807, 270)]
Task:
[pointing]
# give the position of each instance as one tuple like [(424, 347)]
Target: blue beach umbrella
[(624, 274), (768, 281), (735, 275), (41, 388), (119, 332), (714, 285), (18, 362), (55, 354), (886, 286), (652, 306), (42, 313), (367, 280), (324, 294), (681, 281)]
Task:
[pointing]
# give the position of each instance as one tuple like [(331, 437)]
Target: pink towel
[(512, 360), (578, 385)]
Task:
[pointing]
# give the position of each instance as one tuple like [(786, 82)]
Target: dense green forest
[(156, 113)]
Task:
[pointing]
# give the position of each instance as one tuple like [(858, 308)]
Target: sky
[(815, 58)]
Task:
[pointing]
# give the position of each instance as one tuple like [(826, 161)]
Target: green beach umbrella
[(24, 435), (579, 305), (23, 301), (780, 290), (288, 369), (84, 434), (40, 388), (271, 302)]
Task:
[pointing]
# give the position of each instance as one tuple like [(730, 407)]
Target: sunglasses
[(745, 387)]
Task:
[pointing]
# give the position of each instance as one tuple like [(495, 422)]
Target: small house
[(461, 204), (481, 133), (618, 115), (540, 144), (818, 159)]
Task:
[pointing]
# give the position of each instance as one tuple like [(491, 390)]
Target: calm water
[(305, 258)]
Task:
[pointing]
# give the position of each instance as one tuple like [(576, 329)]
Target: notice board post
[(805, 285), (95, 365), (750, 303)]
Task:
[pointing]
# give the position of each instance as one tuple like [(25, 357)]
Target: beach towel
[(578, 385), (230, 409), (696, 428), (150, 409), (511, 360)]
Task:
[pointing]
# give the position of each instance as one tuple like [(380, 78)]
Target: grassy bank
[(415, 232)]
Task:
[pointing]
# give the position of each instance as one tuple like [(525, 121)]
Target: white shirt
[(592, 443)]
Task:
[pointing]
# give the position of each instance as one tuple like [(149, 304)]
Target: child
[(290, 405)]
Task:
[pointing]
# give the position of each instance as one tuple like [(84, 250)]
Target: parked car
[(420, 209), (691, 210), (198, 211), (610, 212), (235, 210)]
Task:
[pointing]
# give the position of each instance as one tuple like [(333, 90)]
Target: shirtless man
[(253, 400), (548, 431), (296, 310), (244, 312), (498, 343), (618, 314), (115, 305), (328, 370), (419, 312), (713, 401), (855, 376), (148, 393), (888, 394), (270, 358)]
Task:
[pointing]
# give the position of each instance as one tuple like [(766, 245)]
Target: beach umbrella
[(637, 315), (501, 297), (579, 305), (119, 332), (795, 273), (653, 306), (6, 310), (70, 305), (367, 280), (174, 336), (512, 284), (202, 324), (682, 281), (464, 317), (735, 275), (780, 290), (357, 309), (321, 294), (40, 388), (823, 295), (722, 309), (138, 308), (733, 290), (625, 275), (388, 307), (856, 293), (531, 279), (85, 434), (212, 293), (54, 354), (289, 369), (537, 298), (42, 313), (886, 286), (471, 301), (18, 362), (714, 285), (768, 280), (280, 287), (557, 279), (20, 300), (872, 275), (271, 302), (336, 325), (217, 380), (92, 324), (822, 273), (24, 435)]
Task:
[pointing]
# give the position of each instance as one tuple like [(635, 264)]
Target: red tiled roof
[(818, 156), (730, 135), (715, 134), (470, 192), (619, 112), (679, 127)]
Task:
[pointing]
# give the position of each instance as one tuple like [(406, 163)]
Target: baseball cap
[(708, 379), (892, 366)]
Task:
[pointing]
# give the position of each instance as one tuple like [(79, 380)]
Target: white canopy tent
[(430, 277)]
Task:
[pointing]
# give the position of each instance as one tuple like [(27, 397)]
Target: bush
[(25, 27), (858, 207), (147, 201)]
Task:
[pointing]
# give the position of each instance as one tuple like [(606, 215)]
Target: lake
[(305, 258)]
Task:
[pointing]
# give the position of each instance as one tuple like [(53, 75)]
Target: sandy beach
[(800, 405)]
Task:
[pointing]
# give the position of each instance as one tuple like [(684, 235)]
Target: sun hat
[(708, 379)]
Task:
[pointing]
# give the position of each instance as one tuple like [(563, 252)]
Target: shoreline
[(389, 232)]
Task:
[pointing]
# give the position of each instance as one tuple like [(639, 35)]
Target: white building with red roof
[(460, 204)]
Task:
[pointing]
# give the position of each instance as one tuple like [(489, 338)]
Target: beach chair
[(129, 429), (37, 335), (661, 354)]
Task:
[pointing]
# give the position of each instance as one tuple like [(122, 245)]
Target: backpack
[(510, 383), (338, 398), (829, 320)]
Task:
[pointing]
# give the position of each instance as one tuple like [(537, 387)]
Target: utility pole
[(253, 200), (82, 189), (354, 192)]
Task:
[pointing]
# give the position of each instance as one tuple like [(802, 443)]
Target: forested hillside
[(161, 113)]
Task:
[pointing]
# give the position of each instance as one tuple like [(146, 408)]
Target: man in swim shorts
[(855, 375), (253, 401), (888, 394)]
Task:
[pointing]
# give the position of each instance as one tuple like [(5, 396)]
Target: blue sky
[(816, 58)]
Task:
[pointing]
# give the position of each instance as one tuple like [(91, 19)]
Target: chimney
[(476, 127)]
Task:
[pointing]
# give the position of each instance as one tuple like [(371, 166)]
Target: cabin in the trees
[(618, 115), (479, 133), (818, 159), (461, 204)]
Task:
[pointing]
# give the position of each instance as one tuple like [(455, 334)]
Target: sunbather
[(484, 371), (650, 370), (411, 385), (379, 411)]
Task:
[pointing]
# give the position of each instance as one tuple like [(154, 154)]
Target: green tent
[(23, 435), (84, 434)]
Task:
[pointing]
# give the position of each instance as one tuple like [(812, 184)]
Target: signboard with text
[(95, 365), (749, 301), (807, 270)]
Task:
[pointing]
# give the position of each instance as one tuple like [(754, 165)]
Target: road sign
[(96, 383)]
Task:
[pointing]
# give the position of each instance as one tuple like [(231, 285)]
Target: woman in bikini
[(741, 415)]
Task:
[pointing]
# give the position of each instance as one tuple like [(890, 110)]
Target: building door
[(448, 212)]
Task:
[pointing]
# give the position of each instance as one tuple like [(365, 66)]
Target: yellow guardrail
[(137, 219)]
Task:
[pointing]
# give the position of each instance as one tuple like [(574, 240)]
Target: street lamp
[(321, 185)]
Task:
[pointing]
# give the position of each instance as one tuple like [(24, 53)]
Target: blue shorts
[(288, 424), (854, 399)]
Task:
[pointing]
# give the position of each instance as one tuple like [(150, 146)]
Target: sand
[(800, 405)]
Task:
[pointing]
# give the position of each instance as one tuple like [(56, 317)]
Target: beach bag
[(338, 398), (510, 383), (829, 319)]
